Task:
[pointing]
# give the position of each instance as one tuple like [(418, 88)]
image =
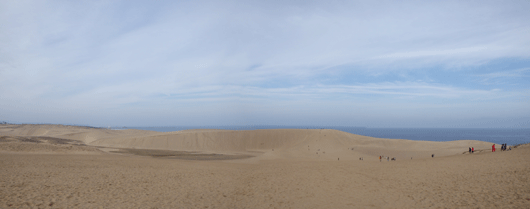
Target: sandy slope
[(291, 176), (84, 134), (481, 180), (319, 144)]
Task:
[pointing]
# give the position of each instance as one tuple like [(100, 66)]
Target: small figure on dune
[(379, 158), (493, 148), (472, 149), (432, 155)]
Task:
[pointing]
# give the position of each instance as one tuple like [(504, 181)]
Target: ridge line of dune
[(286, 143)]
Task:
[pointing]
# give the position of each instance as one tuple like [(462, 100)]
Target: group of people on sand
[(504, 147), (381, 157), (387, 158)]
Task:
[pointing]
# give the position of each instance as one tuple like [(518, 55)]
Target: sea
[(493, 135)]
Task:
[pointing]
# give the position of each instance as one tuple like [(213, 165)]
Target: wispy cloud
[(103, 54), (388, 91), (500, 77), (507, 74)]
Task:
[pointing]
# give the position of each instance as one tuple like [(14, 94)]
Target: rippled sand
[(53, 173)]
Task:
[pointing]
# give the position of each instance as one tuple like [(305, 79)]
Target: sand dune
[(54, 166), (313, 144)]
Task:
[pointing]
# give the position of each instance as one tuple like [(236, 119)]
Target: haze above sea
[(498, 136)]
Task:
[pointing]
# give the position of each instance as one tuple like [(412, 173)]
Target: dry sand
[(54, 166)]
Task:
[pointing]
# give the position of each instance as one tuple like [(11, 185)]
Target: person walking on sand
[(493, 148), (379, 158), (472, 149)]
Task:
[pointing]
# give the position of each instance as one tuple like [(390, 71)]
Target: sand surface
[(54, 166)]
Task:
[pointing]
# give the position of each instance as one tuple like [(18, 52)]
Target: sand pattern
[(290, 176), (44, 145)]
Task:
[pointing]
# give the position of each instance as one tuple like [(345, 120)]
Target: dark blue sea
[(499, 136)]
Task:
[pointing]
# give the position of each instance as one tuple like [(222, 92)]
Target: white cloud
[(108, 54), (506, 74)]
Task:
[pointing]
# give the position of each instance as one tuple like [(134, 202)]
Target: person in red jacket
[(472, 150), (493, 148)]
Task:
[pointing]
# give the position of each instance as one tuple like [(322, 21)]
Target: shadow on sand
[(169, 154)]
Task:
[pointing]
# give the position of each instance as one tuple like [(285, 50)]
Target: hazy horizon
[(428, 64), (253, 126)]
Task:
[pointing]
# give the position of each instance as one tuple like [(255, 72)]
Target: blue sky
[(352, 63)]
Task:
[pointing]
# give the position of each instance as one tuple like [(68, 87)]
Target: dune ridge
[(321, 144), (53, 166)]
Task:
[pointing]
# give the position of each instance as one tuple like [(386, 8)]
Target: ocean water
[(499, 136)]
